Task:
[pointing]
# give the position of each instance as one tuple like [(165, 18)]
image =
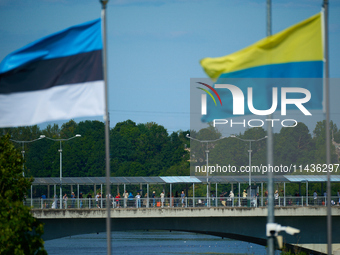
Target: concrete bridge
[(239, 223)]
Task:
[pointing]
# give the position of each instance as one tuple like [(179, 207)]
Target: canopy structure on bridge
[(181, 179), (312, 178), (171, 180), (115, 180), (241, 179)]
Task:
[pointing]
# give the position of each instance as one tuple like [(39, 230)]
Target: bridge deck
[(183, 212)]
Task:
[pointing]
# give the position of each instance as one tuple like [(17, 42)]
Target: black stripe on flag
[(44, 74)]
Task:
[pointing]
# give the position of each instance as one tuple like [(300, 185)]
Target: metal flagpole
[(106, 118), (326, 105), (270, 156), (207, 152)]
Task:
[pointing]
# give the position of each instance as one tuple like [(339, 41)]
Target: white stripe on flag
[(57, 103)]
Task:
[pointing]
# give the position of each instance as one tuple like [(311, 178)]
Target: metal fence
[(90, 203)]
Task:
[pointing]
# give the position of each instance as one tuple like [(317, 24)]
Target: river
[(151, 242)]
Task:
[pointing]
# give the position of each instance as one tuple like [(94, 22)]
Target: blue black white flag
[(57, 77)]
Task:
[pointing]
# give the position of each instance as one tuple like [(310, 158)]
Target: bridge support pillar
[(307, 193), (147, 198), (216, 195), (78, 195), (261, 193), (193, 194), (186, 191), (170, 202), (31, 195), (239, 194), (55, 191), (101, 197), (284, 194)]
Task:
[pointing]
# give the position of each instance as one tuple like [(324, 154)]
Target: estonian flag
[(296, 52), (55, 78)]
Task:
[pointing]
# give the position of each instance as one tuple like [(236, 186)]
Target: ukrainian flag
[(296, 52)]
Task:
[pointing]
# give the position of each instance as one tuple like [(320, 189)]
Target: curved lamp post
[(23, 150), (61, 167), (207, 155), (250, 141)]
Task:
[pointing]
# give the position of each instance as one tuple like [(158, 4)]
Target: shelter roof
[(181, 179)]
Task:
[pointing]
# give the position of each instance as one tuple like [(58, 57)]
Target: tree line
[(149, 150), (296, 146), (135, 149)]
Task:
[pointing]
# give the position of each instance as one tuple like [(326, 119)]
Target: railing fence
[(174, 202)]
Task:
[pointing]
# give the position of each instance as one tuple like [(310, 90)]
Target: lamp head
[(77, 135), (42, 136)]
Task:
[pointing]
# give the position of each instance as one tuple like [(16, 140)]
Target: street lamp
[(207, 153), (61, 167), (245, 140), (23, 150)]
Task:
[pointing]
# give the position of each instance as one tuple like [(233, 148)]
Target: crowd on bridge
[(225, 199), (127, 200)]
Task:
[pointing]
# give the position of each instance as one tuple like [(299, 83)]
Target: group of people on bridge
[(129, 200)]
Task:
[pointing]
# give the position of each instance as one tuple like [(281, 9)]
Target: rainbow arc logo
[(208, 92)]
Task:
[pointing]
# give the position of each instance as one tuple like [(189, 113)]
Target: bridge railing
[(90, 203)]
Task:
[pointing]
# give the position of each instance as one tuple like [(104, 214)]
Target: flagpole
[(107, 128), (326, 105), (270, 156)]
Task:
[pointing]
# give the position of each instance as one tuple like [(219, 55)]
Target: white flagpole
[(270, 156), (326, 106), (107, 128)]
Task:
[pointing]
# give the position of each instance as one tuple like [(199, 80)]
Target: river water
[(151, 242)]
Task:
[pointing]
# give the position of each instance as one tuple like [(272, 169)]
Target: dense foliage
[(135, 150), (20, 233), (294, 146), (149, 150)]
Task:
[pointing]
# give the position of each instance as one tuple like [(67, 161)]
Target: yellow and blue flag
[(296, 52)]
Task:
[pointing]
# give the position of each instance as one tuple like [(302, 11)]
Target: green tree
[(89, 150), (320, 142), (146, 150), (20, 233), (294, 146)]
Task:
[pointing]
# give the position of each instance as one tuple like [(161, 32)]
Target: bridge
[(239, 223), (235, 217)]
